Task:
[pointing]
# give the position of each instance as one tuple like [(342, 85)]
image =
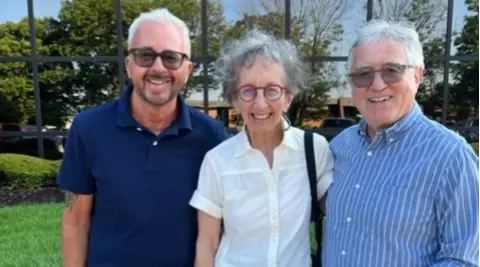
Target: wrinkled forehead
[(260, 70), (378, 54)]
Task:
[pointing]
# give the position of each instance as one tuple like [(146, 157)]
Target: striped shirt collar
[(398, 129)]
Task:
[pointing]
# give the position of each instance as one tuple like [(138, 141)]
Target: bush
[(475, 147), (22, 171)]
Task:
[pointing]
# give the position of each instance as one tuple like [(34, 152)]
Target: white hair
[(161, 15), (400, 33), (240, 53)]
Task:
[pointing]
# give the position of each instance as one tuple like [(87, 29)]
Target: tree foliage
[(88, 28), (464, 93), (84, 28)]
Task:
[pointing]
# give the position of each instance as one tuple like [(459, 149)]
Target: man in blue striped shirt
[(405, 188)]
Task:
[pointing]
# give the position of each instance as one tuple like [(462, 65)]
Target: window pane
[(429, 18), (318, 27), (17, 103), (336, 23), (463, 95), (76, 28), (14, 29), (430, 92), (217, 107), (465, 27), (338, 103), (68, 88)]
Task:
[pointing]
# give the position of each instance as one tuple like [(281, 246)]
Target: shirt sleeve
[(457, 211), (324, 164), (74, 174), (208, 197)]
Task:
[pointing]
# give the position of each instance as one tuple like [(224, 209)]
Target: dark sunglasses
[(249, 92), (145, 57), (390, 73)]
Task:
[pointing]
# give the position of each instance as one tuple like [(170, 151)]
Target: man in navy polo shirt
[(131, 165)]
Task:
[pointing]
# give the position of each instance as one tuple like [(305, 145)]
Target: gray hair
[(161, 15), (240, 53), (400, 33)]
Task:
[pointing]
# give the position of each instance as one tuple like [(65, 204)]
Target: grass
[(30, 235)]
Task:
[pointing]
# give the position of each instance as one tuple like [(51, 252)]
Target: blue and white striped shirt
[(408, 198)]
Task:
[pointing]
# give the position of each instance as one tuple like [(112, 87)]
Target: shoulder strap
[(312, 172)]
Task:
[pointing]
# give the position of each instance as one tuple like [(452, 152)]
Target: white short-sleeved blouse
[(266, 212)]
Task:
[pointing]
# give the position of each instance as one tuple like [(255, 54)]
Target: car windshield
[(11, 127), (337, 123)]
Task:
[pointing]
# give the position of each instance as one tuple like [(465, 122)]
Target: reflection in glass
[(430, 92), (14, 38), (318, 28), (69, 87), (218, 108), (466, 24), (427, 16), (17, 103), (463, 93)]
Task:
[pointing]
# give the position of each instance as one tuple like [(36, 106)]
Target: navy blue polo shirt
[(142, 183)]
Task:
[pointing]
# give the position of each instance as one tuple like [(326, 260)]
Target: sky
[(14, 10)]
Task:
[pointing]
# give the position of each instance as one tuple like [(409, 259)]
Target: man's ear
[(190, 67), (419, 75), (127, 63)]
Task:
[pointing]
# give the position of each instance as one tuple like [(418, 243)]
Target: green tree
[(84, 28), (465, 91), (16, 78), (16, 82)]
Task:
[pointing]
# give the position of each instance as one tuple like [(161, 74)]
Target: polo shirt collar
[(398, 129), (245, 147), (125, 117)]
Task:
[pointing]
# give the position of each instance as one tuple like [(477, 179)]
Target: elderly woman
[(256, 181)]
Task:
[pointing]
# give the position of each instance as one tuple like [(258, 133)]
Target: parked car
[(331, 127), (10, 127), (469, 130)]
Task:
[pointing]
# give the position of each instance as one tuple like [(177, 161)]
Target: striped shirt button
[(369, 153), (343, 252), (357, 186), (349, 219)]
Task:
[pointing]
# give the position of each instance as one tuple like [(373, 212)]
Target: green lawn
[(30, 236)]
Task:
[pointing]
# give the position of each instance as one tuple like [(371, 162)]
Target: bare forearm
[(205, 256), (74, 245), (75, 229)]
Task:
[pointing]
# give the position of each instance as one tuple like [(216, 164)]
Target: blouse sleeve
[(208, 197), (324, 163)]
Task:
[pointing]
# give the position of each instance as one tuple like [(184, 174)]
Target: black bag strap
[(312, 172), (316, 215)]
